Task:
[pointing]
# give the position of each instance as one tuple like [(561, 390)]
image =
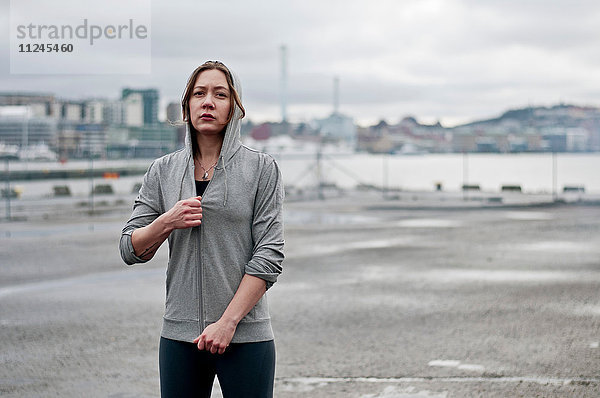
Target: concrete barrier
[(13, 193), (61, 190), (103, 189), (511, 188), (574, 188)]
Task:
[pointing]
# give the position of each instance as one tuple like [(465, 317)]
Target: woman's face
[(210, 102)]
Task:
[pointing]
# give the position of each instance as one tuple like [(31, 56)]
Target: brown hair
[(189, 87)]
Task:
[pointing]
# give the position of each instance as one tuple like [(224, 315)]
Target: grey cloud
[(431, 59)]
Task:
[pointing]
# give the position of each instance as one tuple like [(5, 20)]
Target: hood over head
[(232, 136), (232, 139)]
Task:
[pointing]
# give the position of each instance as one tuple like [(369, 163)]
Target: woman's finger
[(201, 345)]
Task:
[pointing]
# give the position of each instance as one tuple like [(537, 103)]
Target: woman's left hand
[(216, 337)]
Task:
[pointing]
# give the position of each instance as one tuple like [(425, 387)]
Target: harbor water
[(535, 173)]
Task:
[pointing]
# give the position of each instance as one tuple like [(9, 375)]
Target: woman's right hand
[(146, 240), (186, 213)]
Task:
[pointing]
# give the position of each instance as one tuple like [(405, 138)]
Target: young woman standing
[(219, 204)]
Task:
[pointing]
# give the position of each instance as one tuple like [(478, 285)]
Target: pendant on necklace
[(205, 176)]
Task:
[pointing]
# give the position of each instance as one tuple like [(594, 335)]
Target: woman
[(219, 204)]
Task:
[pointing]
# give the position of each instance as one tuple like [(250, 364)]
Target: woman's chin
[(211, 130)]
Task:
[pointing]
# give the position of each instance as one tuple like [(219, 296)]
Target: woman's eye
[(197, 93), (221, 95)]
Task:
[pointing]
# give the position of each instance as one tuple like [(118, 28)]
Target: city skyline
[(452, 61), (163, 108), (75, 127)]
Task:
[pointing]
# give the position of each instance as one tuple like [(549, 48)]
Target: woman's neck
[(209, 147)]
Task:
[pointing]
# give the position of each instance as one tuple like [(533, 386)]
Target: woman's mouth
[(207, 116)]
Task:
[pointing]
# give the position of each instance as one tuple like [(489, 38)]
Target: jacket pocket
[(260, 311), (181, 301)]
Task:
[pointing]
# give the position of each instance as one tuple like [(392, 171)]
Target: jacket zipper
[(198, 267), (199, 282), (200, 264)]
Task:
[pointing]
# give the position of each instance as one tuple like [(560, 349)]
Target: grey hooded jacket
[(241, 233)]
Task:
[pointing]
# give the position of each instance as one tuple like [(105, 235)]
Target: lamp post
[(8, 190), (465, 187), (92, 183), (385, 174), (554, 176), (318, 159)]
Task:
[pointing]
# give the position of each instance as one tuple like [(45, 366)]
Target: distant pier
[(70, 173)]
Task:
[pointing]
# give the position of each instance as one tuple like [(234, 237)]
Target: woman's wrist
[(230, 321), (165, 225)]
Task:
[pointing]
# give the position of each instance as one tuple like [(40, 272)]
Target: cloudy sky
[(447, 60)]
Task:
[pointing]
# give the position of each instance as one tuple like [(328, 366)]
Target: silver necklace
[(205, 175)]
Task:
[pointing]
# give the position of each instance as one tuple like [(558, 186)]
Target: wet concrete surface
[(377, 299)]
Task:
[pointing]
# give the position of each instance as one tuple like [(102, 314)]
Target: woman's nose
[(208, 101)]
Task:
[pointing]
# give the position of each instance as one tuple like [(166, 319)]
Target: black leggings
[(244, 370)]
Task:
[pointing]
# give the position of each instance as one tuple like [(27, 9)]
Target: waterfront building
[(112, 113), (93, 139), (133, 110), (338, 127), (71, 111), (40, 104), (578, 139), (93, 111), (149, 141), (140, 101), (19, 126)]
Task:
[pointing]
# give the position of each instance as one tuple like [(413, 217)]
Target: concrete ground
[(379, 298)]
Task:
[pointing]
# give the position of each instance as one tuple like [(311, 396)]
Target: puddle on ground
[(528, 215), (43, 231), (453, 363), (395, 386), (444, 363), (557, 247), (504, 276), (587, 310), (331, 248), (429, 223), (405, 392), (301, 218), (307, 384)]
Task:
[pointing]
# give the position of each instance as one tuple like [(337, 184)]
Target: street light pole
[(465, 184), (554, 176), (92, 184), (8, 191), (385, 174)]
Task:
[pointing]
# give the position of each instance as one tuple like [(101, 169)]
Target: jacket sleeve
[(267, 225), (146, 208)]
